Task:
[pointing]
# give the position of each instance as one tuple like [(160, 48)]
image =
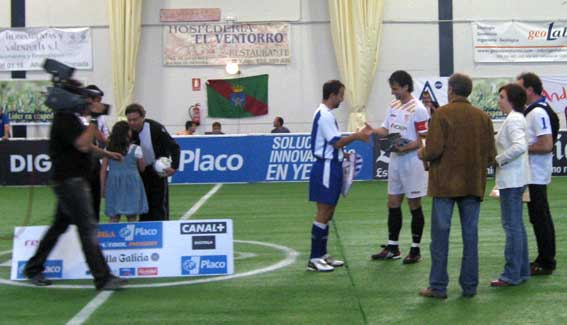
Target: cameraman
[(70, 148)]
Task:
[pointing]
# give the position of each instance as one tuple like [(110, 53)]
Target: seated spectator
[(217, 129), (4, 125), (278, 125), (190, 128)]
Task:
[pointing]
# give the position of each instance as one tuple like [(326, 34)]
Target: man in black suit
[(155, 142)]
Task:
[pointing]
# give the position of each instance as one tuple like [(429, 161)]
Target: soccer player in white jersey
[(326, 174), (406, 173), (540, 146)]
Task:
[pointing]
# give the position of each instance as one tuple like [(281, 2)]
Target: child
[(121, 184)]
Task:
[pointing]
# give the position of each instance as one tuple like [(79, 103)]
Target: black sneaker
[(389, 252), (414, 256), (112, 284), (40, 280), (536, 269), (122, 281)]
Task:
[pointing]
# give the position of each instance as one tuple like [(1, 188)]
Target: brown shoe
[(499, 283), (430, 293)]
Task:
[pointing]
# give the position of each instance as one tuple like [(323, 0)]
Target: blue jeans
[(517, 267), (442, 211)]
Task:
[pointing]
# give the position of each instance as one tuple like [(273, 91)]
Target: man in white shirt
[(540, 146), (406, 173), (326, 174)]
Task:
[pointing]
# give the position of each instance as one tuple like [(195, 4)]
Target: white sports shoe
[(332, 261), (319, 265)]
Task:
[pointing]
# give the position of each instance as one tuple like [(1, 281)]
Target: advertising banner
[(204, 159), (516, 41), (136, 250), (485, 92), (228, 159), (189, 14), (23, 101), (27, 48), (219, 44), (254, 158), (24, 162)]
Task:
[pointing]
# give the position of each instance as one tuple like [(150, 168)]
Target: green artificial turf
[(371, 292)]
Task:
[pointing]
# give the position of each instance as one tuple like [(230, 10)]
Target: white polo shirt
[(540, 164), (146, 144), (324, 134)]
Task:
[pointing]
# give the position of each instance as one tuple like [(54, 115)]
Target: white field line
[(90, 308), (200, 203), (5, 252)]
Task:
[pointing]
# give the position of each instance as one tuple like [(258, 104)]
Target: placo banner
[(136, 250), (222, 43), (254, 158), (517, 41), (204, 159), (27, 48), (228, 159)]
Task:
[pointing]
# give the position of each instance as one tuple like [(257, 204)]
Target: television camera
[(68, 94)]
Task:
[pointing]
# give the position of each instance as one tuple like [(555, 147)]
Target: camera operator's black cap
[(94, 91)]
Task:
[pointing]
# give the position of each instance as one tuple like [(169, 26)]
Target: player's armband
[(421, 126)]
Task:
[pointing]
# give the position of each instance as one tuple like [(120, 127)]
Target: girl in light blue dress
[(120, 181)]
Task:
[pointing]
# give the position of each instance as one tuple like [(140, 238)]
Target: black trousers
[(157, 192), (94, 181), (73, 207), (540, 218)]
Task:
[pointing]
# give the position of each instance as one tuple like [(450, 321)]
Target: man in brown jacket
[(459, 148)]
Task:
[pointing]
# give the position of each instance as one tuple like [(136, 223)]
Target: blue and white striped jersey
[(324, 134)]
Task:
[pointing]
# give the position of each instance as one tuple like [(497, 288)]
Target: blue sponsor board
[(53, 269), (203, 265), (230, 159), (141, 235), (127, 271), (255, 158)]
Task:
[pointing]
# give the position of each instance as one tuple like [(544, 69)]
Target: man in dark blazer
[(155, 142), (459, 147)]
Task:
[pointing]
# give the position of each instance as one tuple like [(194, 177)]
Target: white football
[(161, 164)]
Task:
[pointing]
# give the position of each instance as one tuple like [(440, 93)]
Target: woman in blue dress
[(121, 183)]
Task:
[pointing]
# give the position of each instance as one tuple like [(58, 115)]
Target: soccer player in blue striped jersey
[(326, 174)]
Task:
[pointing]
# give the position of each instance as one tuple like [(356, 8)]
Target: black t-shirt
[(67, 160)]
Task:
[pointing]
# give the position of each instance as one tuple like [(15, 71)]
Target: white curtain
[(356, 27), (125, 20)]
